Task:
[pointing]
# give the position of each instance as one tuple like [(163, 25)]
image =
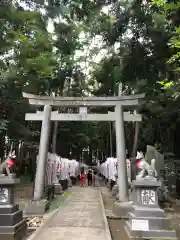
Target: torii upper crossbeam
[(131, 100)]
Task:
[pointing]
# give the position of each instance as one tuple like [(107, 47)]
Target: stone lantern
[(147, 220), (12, 224)]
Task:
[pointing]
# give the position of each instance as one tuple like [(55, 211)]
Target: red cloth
[(82, 178), (10, 163), (139, 164)]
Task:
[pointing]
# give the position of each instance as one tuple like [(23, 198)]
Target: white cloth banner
[(112, 168)]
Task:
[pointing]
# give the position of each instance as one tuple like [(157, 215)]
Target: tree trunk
[(55, 131), (110, 139), (135, 139)]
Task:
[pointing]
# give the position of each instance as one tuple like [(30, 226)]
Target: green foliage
[(3, 125), (171, 11), (148, 44)]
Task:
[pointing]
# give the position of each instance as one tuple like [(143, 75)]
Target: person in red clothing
[(82, 178)]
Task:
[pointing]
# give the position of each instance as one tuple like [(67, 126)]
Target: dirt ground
[(175, 219), (117, 225)]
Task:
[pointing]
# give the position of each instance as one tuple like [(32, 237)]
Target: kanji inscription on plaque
[(148, 197), (3, 195)]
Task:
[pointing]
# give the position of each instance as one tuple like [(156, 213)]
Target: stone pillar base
[(121, 209), (36, 207), (64, 184)]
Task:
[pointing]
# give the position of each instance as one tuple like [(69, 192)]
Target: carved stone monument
[(152, 153), (159, 166), (147, 220), (12, 225)]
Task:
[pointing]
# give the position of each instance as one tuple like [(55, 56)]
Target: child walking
[(82, 179)]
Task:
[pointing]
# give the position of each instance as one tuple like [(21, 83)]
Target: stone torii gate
[(118, 116)]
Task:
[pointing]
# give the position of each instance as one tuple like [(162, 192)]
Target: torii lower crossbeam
[(55, 116)]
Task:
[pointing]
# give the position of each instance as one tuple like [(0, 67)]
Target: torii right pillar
[(122, 206)]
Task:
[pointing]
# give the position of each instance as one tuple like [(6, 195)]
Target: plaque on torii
[(82, 110)]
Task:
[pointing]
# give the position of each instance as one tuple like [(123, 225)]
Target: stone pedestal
[(49, 192), (64, 184), (147, 220), (115, 191), (58, 189), (37, 208), (69, 182), (122, 209), (12, 224)]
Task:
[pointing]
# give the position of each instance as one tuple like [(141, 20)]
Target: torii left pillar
[(43, 151), (39, 205)]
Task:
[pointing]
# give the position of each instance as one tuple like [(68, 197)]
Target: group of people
[(91, 176)]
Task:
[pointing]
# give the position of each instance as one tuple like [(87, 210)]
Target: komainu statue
[(147, 170), (7, 164), (152, 171)]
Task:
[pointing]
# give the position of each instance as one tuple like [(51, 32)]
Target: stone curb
[(107, 230), (46, 221)]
